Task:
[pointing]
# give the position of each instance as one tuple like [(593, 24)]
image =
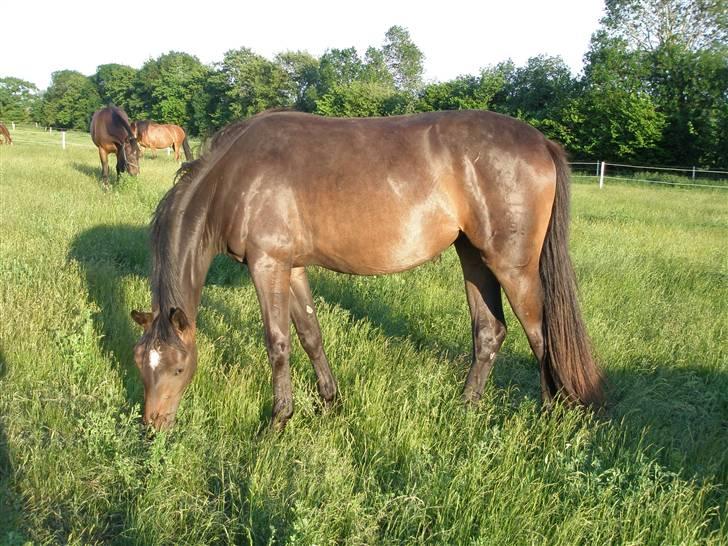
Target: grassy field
[(399, 460)]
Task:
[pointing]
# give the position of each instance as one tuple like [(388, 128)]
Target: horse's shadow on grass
[(87, 170), (10, 533), (110, 256), (680, 412)]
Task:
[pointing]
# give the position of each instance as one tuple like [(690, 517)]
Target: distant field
[(400, 460)]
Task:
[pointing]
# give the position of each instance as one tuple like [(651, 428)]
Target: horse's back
[(178, 134)]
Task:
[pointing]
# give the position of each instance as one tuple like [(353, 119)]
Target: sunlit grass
[(399, 460)]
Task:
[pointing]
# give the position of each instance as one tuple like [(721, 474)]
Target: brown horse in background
[(159, 136), (112, 134), (5, 134), (369, 196)]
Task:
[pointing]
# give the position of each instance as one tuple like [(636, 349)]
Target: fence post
[(601, 176), (63, 139), (168, 151), (693, 172), (597, 173), (13, 126), (50, 130)]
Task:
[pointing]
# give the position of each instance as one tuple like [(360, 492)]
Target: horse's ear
[(142, 319), (178, 319)]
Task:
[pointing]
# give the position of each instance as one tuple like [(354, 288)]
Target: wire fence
[(693, 177)]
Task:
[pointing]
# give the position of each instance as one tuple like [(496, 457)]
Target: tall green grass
[(399, 460)]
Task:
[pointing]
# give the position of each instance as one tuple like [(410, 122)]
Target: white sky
[(456, 36)]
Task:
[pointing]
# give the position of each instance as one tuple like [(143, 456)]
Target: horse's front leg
[(104, 157), (307, 326), (272, 281)]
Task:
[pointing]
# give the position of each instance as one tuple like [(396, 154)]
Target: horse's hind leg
[(525, 294), (175, 147), (307, 326), (486, 313)]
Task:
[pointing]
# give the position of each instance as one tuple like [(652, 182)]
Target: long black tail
[(568, 354), (186, 148)]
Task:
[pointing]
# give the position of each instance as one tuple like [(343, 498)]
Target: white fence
[(53, 137), (700, 178)]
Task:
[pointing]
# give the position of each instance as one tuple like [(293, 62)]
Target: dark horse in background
[(285, 190), (159, 136), (5, 135), (112, 134)]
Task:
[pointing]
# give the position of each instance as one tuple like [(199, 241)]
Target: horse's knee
[(279, 350)]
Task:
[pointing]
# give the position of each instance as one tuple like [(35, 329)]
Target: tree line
[(654, 87)]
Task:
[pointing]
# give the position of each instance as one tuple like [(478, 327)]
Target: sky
[(457, 37)]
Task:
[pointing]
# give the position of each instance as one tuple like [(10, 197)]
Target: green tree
[(358, 99), (650, 25), (70, 101), (543, 93), (463, 93), (350, 86), (540, 89), (385, 82), (246, 83), (616, 118), (18, 100), (337, 68), (302, 73), (115, 84), (404, 60), (166, 89), (683, 47)]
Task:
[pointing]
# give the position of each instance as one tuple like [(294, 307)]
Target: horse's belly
[(377, 244)]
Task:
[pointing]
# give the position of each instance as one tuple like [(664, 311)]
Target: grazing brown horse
[(285, 190), (158, 136), (5, 134), (112, 134)]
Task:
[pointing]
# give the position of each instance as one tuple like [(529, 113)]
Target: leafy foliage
[(404, 59), (18, 99), (70, 101), (166, 88), (464, 92), (245, 84), (115, 83)]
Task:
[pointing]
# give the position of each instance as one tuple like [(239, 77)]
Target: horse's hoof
[(471, 398), (327, 392), (282, 412)]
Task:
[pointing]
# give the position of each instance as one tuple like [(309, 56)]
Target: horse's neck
[(191, 254)]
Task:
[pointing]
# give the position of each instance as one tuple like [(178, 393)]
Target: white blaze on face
[(154, 359)]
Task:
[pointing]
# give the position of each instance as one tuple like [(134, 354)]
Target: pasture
[(399, 459)]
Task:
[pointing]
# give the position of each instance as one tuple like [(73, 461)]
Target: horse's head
[(131, 156), (166, 356)]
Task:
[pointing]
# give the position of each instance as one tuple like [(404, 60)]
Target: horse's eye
[(178, 371)]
